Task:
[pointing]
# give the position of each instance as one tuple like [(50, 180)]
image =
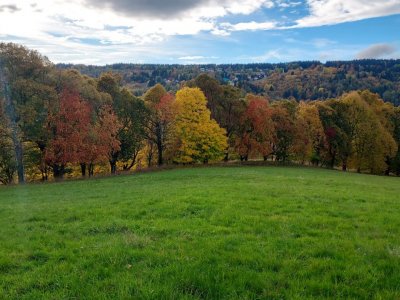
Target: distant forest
[(309, 80)]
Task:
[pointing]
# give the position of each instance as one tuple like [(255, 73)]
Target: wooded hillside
[(301, 80)]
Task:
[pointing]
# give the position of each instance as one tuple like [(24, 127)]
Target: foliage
[(79, 136), (257, 129), (132, 115), (197, 137), (309, 137), (8, 165), (371, 142), (160, 117), (283, 116), (302, 80), (23, 86), (70, 127), (60, 119)]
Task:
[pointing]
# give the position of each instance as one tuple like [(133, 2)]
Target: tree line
[(304, 80), (54, 122)]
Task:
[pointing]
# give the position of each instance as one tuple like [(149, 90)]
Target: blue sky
[(203, 31)]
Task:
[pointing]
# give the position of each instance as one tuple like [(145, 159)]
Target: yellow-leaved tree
[(196, 137), (372, 144), (309, 133)]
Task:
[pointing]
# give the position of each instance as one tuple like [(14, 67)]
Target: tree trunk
[(388, 168), (44, 176), (133, 162), (12, 116), (20, 158), (344, 166), (149, 158), (91, 170), (83, 169), (159, 134), (113, 163), (113, 167), (226, 158), (160, 153), (58, 171), (43, 166), (332, 162)]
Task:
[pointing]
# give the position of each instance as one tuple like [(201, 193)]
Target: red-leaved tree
[(79, 135), (69, 127), (257, 129)]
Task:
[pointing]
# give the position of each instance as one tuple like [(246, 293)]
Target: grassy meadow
[(203, 233)]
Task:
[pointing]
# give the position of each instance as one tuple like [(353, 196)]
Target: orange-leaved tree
[(69, 127), (101, 141), (257, 129)]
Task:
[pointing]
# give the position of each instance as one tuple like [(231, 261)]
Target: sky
[(103, 32)]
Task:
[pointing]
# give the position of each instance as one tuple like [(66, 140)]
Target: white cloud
[(161, 9), (73, 18), (322, 43), (248, 26), (327, 12), (271, 55), (74, 31), (197, 57), (286, 4), (74, 25)]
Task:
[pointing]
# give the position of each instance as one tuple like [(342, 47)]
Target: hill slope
[(300, 80), (240, 232)]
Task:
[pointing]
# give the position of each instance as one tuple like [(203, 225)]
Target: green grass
[(203, 233)]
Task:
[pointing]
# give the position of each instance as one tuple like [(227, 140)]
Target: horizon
[(203, 32), (240, 64)]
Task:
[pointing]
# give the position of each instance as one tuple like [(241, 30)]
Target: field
[(203, 233)]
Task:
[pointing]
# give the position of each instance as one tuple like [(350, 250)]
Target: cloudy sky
[(203, 31)]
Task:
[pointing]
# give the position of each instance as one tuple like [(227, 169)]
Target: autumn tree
[(196, 137), (230, 109), (70, 127), (108, 127), (371, 141), (213, 92), (386, 114), (87, 87), (358, 133), (395, 161), (309, 135), (283, 117), (24, 86), (257, 129), (337, 133), (132, 115), (160, 117), (101, 139)]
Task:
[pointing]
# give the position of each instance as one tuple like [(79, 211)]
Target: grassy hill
[(208, 233)]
